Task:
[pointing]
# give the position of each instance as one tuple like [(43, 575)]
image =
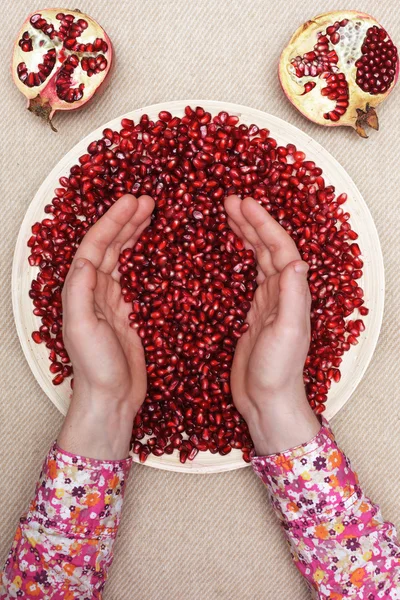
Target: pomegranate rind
[(43, 99), (312, 104)]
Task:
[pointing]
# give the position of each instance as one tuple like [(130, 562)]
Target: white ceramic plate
[(355, 361)]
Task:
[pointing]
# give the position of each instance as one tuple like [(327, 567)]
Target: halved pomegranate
[(60, 59), (338, 67)]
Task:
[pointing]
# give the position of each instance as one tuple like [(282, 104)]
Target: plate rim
[(194, 467)]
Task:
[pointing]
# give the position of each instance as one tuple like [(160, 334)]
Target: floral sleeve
[(338, 538), (63, 546)]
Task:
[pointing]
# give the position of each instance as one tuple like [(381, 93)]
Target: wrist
[(98, 423), (100, 396), (281, 420)]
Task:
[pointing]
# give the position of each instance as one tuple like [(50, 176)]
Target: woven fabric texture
[(192, 537)]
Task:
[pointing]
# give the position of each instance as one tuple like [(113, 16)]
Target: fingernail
[(301, 267), (80, 263)]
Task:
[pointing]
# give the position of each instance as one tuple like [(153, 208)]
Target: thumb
[(294, 296), (78, 294)]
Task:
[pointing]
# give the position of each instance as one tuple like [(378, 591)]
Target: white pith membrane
[(42, 44), (313, 104), (348, 50)]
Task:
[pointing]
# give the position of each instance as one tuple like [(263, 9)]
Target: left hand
[(107, 355), (267, 371)]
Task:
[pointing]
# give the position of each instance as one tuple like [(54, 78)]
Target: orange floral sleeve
[(338, 537), (63, 546), (340, 543)]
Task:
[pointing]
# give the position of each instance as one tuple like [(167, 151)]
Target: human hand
[(267, 371), (107, 355)]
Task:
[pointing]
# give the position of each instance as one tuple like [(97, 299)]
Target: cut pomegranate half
[(338, 67), (60, 59)]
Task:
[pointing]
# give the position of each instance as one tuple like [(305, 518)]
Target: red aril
[(60, 59), (338, 67), (189, 280)]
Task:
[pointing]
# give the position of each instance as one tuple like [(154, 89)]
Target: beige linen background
[(191, 537)]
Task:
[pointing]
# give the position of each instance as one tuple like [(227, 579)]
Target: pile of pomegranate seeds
[(189, 278)]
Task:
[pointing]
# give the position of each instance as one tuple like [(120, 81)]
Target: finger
[(142, 218), (78, 296), (237, 231), (260, 273), (128, 234), (236, 220), (96, 241), (233, 206), (115, 274), (294, 298), (282, 248)]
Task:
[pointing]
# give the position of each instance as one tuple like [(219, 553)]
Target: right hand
[(267, 372)]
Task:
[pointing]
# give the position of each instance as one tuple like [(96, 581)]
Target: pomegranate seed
[(144, 453), (37, 338), (183, 456), (355, 250), (189, 280)]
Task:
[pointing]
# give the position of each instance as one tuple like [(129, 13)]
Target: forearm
[(65, 541), (338, 538)]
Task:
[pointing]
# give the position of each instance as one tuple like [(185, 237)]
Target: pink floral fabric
[(63, 546), (337, 536)]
